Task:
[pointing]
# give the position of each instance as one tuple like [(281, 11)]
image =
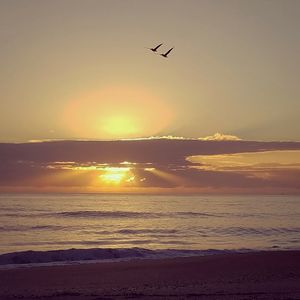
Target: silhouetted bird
[(155, 49), (166, 54)]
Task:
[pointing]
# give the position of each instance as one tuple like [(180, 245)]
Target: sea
[(78, 228)]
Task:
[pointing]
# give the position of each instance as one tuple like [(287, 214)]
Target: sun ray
[(165, 175)]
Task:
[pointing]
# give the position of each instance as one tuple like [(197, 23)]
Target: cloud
[(221, 137), (173, 165), (247, 162), (216, 137), (162, 137)]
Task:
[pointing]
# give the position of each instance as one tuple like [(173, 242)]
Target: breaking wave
[(99, 254)]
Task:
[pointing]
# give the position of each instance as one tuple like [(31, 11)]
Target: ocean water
[(122, 226)]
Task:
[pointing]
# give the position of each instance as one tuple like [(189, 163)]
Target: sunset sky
[(70, 69), (81, 71)]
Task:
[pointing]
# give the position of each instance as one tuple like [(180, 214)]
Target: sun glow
[(118, 125), (117, 112), (116, 175)]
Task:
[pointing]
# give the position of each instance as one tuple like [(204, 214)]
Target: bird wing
[(157, 47), (168, 51)]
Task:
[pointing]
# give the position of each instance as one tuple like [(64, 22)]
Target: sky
[(74, 69), (86, 106)]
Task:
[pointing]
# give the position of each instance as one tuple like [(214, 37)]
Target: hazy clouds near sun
[(151, 165), (235, 68)]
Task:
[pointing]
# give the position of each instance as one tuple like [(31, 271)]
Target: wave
[(108, 214), (195, 214), (9, 228), (89, 214), (132, 214), (201, 231), (99, 254), (143, 231), (128, 214), (248, 231)]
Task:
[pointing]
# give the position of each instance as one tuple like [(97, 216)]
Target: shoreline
[(78, 256), (251, 275)]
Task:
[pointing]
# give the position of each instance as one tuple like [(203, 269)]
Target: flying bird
[(155, 49), (166, 54)]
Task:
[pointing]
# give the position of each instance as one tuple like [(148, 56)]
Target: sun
[(117, 112), (116, 175), (120, 125)]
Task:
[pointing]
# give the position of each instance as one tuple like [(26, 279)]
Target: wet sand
[(260, 275)]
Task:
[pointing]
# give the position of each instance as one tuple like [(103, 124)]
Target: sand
[(260, 275)]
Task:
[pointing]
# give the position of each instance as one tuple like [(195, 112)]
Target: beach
[(254, 275)]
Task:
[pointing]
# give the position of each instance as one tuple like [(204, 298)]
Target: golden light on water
[(117, 112)]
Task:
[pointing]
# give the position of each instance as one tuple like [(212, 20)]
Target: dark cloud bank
[(23, 164)]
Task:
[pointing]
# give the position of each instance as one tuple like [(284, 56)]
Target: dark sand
[(261, 275)]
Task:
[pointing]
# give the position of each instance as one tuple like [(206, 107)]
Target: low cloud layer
[(151, 165)]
